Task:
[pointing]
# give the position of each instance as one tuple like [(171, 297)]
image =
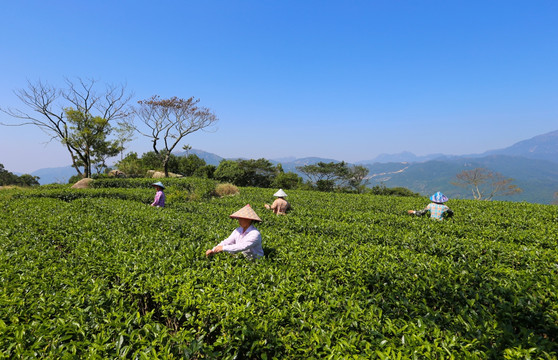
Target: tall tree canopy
[(77, 116), (169, 121)]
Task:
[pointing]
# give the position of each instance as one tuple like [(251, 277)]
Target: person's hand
[(266, 206), (213, 251), (411, 212)]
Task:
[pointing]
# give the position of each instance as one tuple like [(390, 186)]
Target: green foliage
[(192, 165), (228, 171), (328, 172), (74, 179), (132, 165), (206, 172), (395, 191), (88, 137), (8, 178), (336, 176), (345, 276), (202, 188), (258, 173), (288, 180), (188, 165)]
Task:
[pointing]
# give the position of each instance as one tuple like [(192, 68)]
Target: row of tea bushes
[(345, 276)]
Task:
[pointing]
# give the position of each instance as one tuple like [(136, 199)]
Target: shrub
[(74, 179), (226, 190)]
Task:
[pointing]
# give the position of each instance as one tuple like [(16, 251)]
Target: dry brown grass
[(226, 189), (9, 187)]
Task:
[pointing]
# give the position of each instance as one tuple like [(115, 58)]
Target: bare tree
[(170, 120), (51, 107), (486, 184)]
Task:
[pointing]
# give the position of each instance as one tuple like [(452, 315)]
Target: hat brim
[(246, 213)]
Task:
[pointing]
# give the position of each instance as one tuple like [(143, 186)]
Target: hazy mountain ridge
[(543, 147)]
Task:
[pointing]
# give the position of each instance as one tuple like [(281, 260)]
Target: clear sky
[(346, 80)]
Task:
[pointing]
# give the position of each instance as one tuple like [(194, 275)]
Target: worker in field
[(159, 200), (436, 208), (280, 206), (245, 238)]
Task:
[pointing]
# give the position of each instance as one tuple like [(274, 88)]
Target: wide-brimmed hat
[(280, 193), (159, 184), (439, 198), (246, 213)]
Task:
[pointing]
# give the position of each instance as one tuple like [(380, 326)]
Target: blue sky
[(346, 80)]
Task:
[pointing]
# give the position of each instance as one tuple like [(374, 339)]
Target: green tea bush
[(344, 276), (203, 188)]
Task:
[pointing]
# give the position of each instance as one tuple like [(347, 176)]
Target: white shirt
[(248, 242)]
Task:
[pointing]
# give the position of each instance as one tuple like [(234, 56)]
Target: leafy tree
[(207, 172), (131, 165), (356, 178), (229, 171), (27, 180), (486, 184), (88, 136), (152, 161), (325, 185), (64, 114), (169, 121), (258, 173), (8, 178), (187, 165), (288, 180), (325, 175)]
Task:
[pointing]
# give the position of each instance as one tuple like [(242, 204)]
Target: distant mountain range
[(532, 163)]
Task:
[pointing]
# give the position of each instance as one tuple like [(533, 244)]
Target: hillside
[(98, 273), (542, 147), (537, 178)]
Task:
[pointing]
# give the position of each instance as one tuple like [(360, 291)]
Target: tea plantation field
[(97, 273)]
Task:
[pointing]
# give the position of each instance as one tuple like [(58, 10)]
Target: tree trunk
[(166, 164)]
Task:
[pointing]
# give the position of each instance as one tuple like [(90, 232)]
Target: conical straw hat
[(159, 184), (280, 193), (439, 198), (246, 213)]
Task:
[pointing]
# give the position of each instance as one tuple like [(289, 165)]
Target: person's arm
[(230, 240), (426, 210), (448, 213), (249, 240), (422, 212), (219, 247)]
